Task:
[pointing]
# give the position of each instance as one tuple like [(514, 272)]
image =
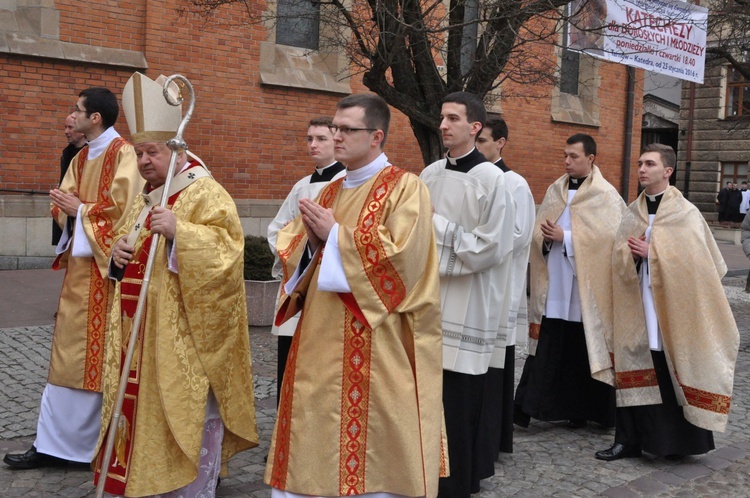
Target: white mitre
[(150, 117)]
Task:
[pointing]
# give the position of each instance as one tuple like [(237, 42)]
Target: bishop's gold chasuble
[(194, 337), (699, 334), (361, 401), (595, 211), (107, 187)]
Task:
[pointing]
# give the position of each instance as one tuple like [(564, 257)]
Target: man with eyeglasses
[(101, 182), (327, 168), (360, 409), (474, 221)]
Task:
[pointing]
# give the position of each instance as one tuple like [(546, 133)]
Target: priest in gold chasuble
[(189, 399), (674, 350), (360, 409), (97, 189)]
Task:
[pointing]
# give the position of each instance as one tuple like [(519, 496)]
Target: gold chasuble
[(107, 187), (596, 211), (699, 334), (193, 337), (360, 408)]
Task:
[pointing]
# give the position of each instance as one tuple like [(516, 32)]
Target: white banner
[(663, 36)]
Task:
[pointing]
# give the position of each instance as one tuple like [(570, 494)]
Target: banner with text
[(663, 36)]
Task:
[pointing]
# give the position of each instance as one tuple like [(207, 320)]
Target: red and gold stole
[(357, 344), (99, 287), (130, 289)]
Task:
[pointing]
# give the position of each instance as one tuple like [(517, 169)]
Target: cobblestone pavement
[(549, 459)]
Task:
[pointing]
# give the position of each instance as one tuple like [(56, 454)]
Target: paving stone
[(548, 458)]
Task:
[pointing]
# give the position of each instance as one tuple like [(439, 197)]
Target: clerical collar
[(98, 145), (652, 202), (574, 183), (501, 164), (355, 178), (465, 162), (326, 174)]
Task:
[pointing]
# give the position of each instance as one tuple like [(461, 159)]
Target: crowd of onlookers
[(733, 202)]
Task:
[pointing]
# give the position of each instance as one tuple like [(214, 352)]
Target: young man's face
[(354, 148), (490, 149), (82, 121), (652, 174), (577, 163), (457, 132), (320, 145)]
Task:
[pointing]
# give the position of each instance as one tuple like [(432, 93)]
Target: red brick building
[(253, 99)]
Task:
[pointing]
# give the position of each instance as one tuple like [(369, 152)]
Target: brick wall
[(252, 137)]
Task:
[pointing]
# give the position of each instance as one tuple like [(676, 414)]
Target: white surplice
[(474, 225), (289, 210), (563, 298), (525, 212)]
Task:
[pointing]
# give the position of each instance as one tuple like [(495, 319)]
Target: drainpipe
[(626, 156), (689, 145)]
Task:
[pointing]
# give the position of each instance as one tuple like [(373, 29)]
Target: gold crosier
[(176, 144)]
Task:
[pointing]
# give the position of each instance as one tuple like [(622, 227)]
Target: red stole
[(130, 289)]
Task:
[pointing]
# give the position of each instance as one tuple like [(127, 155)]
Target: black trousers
[(556, 383), (284, 345), (462, 402), (497, 412), (661, 429)]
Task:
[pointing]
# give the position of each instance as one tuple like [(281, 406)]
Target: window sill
[(36, 46), (295, 67)]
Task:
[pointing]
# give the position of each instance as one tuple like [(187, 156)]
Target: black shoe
[(675, 457), (618, 451), (576, 424), (32, 459)]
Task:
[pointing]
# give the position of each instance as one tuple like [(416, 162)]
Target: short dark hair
[(666, 153), (101, 100), (377, 113), (474, 106), (320, 121), (498, 127), (589, 144)]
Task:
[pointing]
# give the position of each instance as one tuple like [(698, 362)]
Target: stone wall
[(715, 139), (26, 228)]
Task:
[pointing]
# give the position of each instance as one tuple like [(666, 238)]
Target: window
[(570, 62), (293, 57), (575, 99), (738, 94), (735, 172), (297, 23)]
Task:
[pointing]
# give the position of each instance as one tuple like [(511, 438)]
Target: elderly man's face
[(153, 162), (74, 137)]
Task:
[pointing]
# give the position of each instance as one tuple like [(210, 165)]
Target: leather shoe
[(32, 459), (617, 451), (576, 424)]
